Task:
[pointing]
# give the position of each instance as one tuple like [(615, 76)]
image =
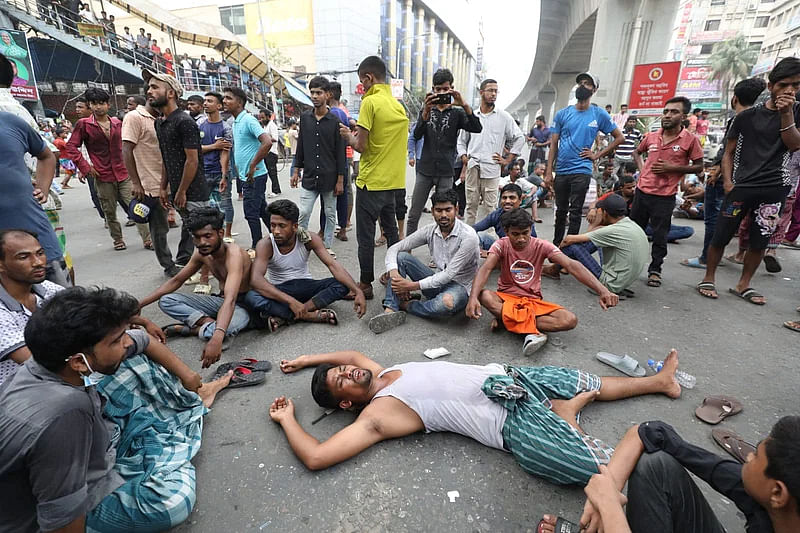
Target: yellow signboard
[(286, 22), (91, 30)]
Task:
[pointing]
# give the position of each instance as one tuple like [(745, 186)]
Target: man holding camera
[(439, 124)]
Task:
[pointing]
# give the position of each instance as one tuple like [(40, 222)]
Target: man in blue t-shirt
[(571, 156), (215, 140), (20, 201)]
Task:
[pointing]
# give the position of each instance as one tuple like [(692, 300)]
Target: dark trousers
[(93, 194), (662, 498), (186, 244), (570, 191), (272, 169), (712, 202), (159, 227), (460, 190), (322, 292), (657, 212), (255, 206), (422, 191), (373, 206)]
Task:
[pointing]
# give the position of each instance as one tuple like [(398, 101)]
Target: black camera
[(443, 99)]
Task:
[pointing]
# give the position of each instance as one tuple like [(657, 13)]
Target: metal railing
[(126, 49)]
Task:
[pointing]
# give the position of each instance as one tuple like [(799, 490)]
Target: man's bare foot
[(569, 409), (496, 326), (208, 391), (671, 386)]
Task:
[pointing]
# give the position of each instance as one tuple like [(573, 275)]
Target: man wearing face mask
[(61, 465), (574, 131)]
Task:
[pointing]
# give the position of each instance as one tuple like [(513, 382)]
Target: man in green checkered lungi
[(529, 411)]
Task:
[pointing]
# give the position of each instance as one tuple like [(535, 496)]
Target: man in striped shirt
[(632, 137)]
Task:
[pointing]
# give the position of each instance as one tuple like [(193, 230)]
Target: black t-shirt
[(761, 159), (723, 475), (175, 133)]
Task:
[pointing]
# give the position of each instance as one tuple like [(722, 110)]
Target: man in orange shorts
[(517, 305)]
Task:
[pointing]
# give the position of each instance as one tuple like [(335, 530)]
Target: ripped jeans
[(441, 302)]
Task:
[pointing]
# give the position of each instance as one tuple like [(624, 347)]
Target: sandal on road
[(249, 363), (244, 377), (148, 245), (120, 245), (709, 287), (694, 262), (750, 295), (177, 329), (732, 443), (793, 325), (733, 259), (275, 322), (386, 321), (624, 363), (654, 279), (715, 409)]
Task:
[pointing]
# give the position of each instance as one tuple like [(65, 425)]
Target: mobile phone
[(443, 98)]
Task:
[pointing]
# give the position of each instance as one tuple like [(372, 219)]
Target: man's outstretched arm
[(349, 357)]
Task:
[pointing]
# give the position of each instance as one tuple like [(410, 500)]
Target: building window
[(712, 25), (761, 22), (756, 45), (706, 49), (232, 17), (717, 2)]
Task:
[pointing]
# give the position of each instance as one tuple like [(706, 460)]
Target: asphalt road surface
[(249, 480)]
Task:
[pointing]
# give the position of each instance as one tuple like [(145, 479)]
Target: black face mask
[(582, 93)]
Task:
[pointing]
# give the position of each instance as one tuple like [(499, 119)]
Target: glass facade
[(232, 17)]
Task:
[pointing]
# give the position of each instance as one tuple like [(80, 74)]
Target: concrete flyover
[(606, 37)]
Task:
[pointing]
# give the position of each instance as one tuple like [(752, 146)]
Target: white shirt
[(201, 66), (272, 131), (524, 184), (499, 131)]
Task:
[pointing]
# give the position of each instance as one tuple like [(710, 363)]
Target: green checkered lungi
[(541, 441), (160, 428)]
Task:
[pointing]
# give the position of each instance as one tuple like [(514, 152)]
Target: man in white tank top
[(282, 289), (529, 411)]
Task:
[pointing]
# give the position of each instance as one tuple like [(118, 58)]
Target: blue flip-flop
[(694, 262)]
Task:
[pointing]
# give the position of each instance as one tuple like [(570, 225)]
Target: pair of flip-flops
[(715, 409), (624, 363), (246, 372)]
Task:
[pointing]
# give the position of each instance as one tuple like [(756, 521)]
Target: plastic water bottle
[(685, 380)]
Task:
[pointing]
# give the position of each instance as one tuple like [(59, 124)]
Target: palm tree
[(731, 61)]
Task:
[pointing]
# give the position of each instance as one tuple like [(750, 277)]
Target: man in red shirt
[(102, 136), (517, 305), (671, 152)]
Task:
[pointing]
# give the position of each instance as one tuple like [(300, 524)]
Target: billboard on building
[(653, 84), (694, 84), (14, 45), (286, 23)]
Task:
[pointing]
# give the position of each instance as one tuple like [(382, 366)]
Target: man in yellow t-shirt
[(381, 137)]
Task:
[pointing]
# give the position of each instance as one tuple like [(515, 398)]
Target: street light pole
[(266, 60)]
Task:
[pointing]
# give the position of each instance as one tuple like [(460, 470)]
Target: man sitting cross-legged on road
[(510, 198), (517, 305), (529, 411), (453, 245), (655, 463), (100, 425), (622, 242), (210, 317), (290, 293)]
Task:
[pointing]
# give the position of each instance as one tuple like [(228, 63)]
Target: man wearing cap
[(142, 156), (182, 183), (622, 242), (574, 131)]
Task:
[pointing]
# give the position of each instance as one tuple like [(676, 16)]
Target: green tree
[(731, 61), (276, 57)]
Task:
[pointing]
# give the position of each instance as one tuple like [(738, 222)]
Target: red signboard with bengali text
[(653, 84)]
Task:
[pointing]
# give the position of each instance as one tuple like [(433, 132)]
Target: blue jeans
[(221, 200), (675, 233), (434, 305), (582, 253), (255, 206), (307, 200), (486, 240), (190, 308), (712, 202), (322, 292)]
